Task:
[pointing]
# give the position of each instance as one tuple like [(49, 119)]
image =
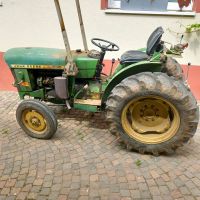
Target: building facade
[(35, 23)]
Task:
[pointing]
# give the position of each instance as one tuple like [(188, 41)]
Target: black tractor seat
[(133, 56), (153, 45)]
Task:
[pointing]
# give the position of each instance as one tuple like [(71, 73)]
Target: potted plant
[(144, 5)]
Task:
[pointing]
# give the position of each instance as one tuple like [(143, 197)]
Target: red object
[(193, 79), (196, 5), (104, 4), (183, 3), (6, 78)]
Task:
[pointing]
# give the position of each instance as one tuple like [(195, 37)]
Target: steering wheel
[(105, 45)]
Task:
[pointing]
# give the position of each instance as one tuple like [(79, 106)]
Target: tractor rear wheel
[(36, 119), (152, 113)]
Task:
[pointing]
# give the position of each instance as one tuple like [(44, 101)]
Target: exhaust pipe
[(61, 87)]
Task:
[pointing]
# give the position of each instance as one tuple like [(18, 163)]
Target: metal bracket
[(71, 69)]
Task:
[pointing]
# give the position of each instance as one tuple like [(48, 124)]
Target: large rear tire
[(36, 119), (172, 68), (152, 113)]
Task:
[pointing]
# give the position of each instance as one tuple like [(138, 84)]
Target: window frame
[(195, 7)]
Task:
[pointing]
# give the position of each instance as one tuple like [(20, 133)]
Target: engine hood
[(35, 56)]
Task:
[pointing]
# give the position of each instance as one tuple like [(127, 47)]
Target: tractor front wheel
[(152, 113), (36, 119)]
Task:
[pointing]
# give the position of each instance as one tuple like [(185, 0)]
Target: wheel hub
[(150, 120), (150, 116), (34, 121)]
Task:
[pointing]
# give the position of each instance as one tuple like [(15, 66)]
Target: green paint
[(22, 75), (155, 57), (71, 83), (88, 108), (52, 57), (35, 56), (118, 68), (94, 86), (38, 94), (86, 66), (144, 66)]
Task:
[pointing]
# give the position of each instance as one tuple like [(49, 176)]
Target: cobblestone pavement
[(84, 161)]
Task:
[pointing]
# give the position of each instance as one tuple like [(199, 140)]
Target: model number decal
[(37, 67)]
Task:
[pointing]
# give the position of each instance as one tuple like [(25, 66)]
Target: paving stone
[(32, 196), (10, 198), (2, 184), (176, 194), (41, 197), (195, 192), (164, 190), (5, 191), (38, 182), (45, 191), (184, 191), (73, 194), (125, 193), (84, 161), (22, 195), (3, 197), (154, 190)]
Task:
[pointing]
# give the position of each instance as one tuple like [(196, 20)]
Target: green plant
[(4, 131), (192, 28), (138, 162), (186, 29)]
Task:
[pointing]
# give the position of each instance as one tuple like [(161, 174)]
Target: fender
[(144, 66)]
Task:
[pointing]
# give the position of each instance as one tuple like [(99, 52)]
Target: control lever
[(111, 70), (182, 36), (188, 70)]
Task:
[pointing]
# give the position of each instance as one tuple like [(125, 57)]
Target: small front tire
[(36, 119)]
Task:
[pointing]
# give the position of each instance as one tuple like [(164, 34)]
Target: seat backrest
[(154, 41)]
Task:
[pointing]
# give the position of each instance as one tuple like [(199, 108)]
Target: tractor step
[(92, 102), (90, 105)]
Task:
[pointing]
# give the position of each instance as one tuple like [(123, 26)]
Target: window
[(114, 3), (172, 5)]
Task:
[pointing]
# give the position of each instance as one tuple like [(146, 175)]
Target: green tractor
[(146, 100)]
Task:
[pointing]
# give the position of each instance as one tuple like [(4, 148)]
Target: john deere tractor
[(146, 99)]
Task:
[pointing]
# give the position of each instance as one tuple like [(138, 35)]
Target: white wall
[(35, 23)]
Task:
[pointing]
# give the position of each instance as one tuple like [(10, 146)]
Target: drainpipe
[(81, 25)]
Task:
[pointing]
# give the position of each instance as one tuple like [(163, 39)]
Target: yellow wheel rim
[(150, 120), (34, 121)]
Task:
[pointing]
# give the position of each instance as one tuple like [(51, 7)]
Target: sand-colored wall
[(34, 23)]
